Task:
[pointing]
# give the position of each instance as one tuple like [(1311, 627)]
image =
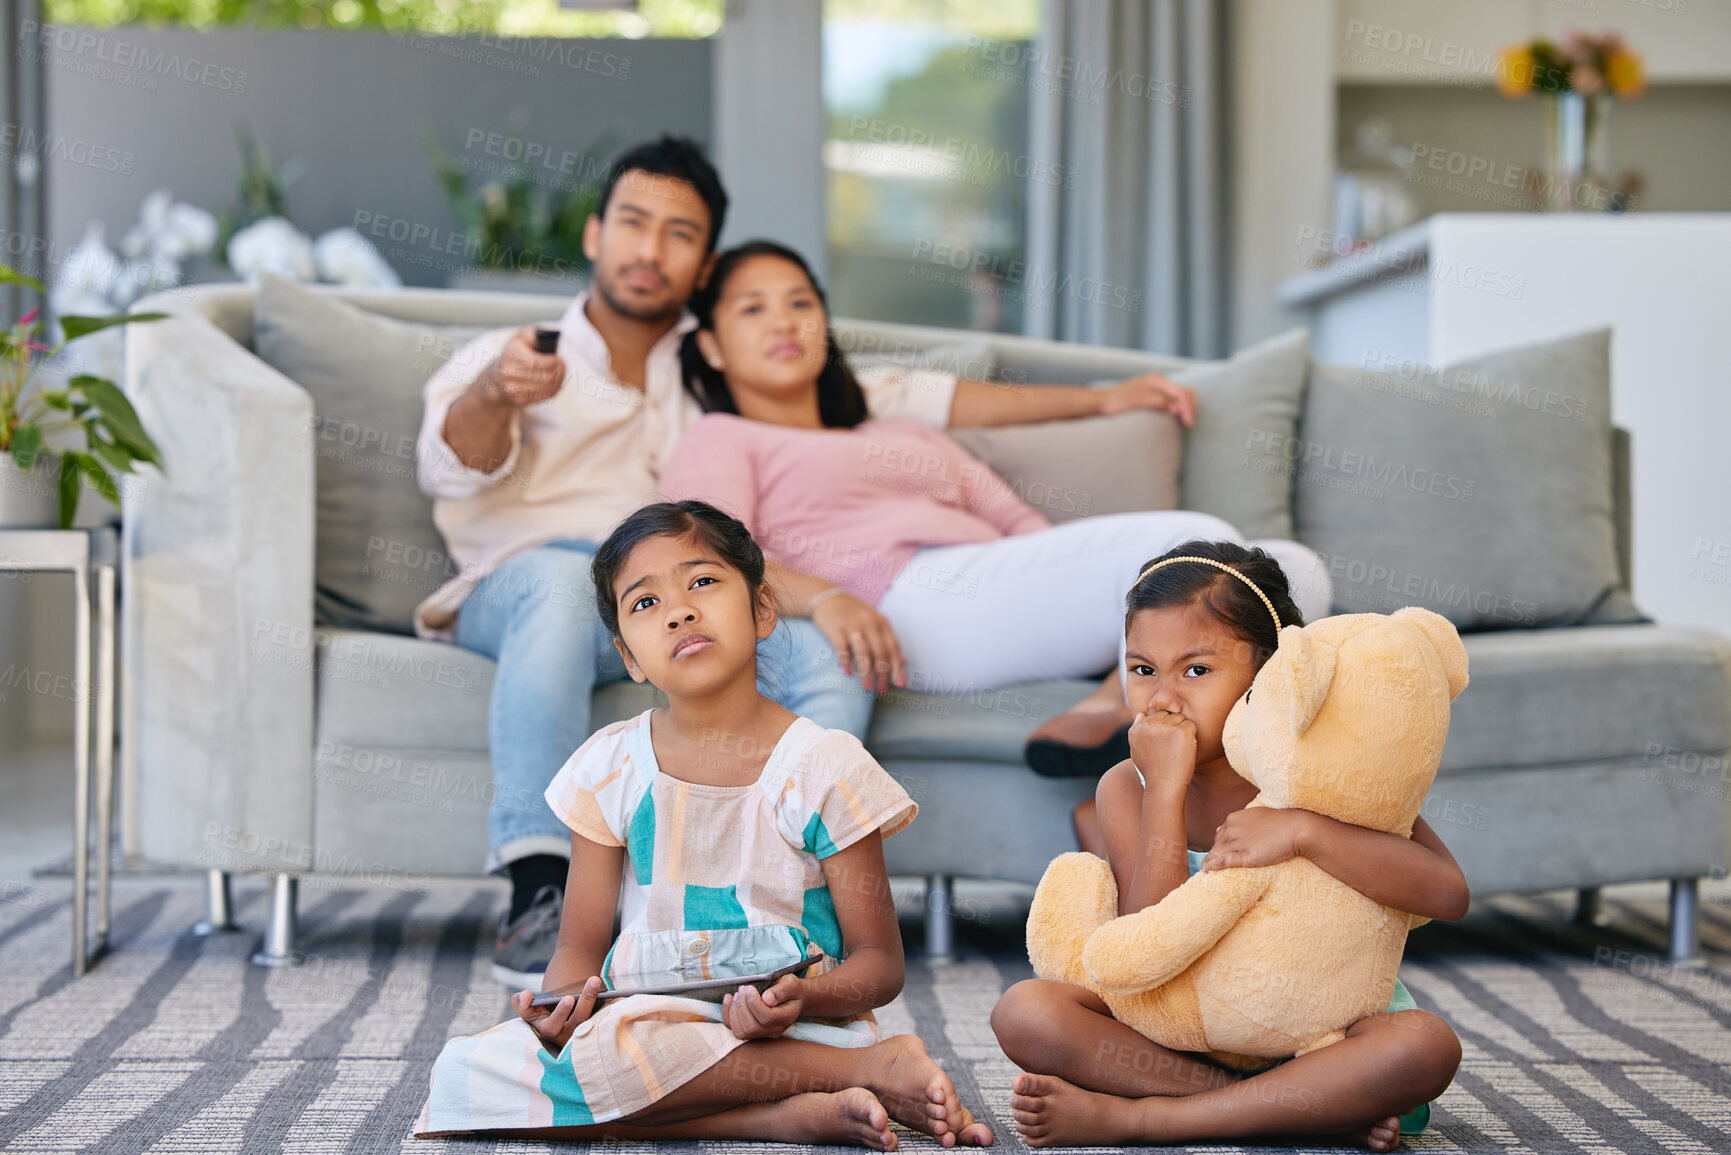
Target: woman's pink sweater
[(851, 506)]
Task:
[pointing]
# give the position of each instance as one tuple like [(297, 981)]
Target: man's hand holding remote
[(478, 424), (523, 375)]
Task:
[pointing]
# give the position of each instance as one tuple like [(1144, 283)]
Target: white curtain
[(23, 179), (1129, 248)]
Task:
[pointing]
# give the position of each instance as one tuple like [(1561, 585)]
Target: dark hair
[(1224, 596), (841, 403), (727, 536), (678, 157)]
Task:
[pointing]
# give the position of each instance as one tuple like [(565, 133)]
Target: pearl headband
[(1224, 568)]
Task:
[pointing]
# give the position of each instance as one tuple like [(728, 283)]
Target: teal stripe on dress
[(713, 908), (640, 840), (817, 839), (559, 1083), (820, 921)]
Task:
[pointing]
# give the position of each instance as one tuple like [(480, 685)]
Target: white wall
[(1422, 41), (1283, 94)]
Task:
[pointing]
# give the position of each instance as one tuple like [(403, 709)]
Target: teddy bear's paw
[(1076, 895)]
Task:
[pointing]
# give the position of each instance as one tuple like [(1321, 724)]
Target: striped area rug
[(1575, 1041)]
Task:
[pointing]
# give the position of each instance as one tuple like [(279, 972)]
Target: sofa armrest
[(217, 601)]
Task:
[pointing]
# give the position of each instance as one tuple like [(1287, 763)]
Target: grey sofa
[(255, 742)]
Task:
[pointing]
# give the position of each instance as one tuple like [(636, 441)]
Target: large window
[(927, 158)]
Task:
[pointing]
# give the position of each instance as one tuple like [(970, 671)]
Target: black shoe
[(1061, 760), (525, 943)]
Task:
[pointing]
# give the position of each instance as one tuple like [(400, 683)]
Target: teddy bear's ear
[(1442, 636), (1310, 663)]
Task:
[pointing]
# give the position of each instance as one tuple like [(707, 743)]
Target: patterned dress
[(700, 861)]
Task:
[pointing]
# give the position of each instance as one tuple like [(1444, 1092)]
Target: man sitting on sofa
[(532, 458)]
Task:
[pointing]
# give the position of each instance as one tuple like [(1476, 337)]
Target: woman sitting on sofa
[(976, 587)]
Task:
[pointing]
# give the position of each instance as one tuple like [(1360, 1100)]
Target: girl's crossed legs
[(1105, 1084), (794, 1091)]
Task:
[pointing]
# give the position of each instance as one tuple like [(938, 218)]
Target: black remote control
[(546, 339)]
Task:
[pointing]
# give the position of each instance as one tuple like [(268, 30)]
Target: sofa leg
[(219, 917), (1685, 934), (940, 923), (1589, 906), (279, 935)]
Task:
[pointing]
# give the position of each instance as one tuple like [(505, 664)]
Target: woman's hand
[(1151, 391), (1163, 746), (762, 1016), (863, 640), (556, 1023), (1256, 836)]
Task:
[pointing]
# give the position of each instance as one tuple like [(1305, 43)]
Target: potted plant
[(523, 230), (87, 405)]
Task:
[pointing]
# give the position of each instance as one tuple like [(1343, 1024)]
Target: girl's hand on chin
[(1163, 747), (1256, 836)]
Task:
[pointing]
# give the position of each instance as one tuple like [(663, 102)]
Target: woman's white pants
[(1050, 604)]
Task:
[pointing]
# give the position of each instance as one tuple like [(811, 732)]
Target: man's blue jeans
[(535, 616)]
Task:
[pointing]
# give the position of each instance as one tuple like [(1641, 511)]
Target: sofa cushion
[(1088, 466), (1590, 693), (377, 552), (1536, 698), (1483, 491), (1240, 403), (402, 775), (985, 726), (968, 357)]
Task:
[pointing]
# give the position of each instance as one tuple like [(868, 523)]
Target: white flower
[(347, 258), (189, 231), (272, 245), (169, 231), (90, 279)]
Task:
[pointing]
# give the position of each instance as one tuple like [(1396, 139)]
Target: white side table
[(90, 556)]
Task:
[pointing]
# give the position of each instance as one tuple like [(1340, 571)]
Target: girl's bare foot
[(1052, 1113), (918, 1093), (1383, 1135), (851, 1118)]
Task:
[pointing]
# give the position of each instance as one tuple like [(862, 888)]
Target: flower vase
[(1579, 171)]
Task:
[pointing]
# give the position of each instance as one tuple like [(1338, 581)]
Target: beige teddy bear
[(1348, 719)]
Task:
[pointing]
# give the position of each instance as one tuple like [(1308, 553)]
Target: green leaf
[(98, 476), (115, 455), (56, 399), (119, 417), (11, 276), (76, 327), (68, 491), (26, 442)]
